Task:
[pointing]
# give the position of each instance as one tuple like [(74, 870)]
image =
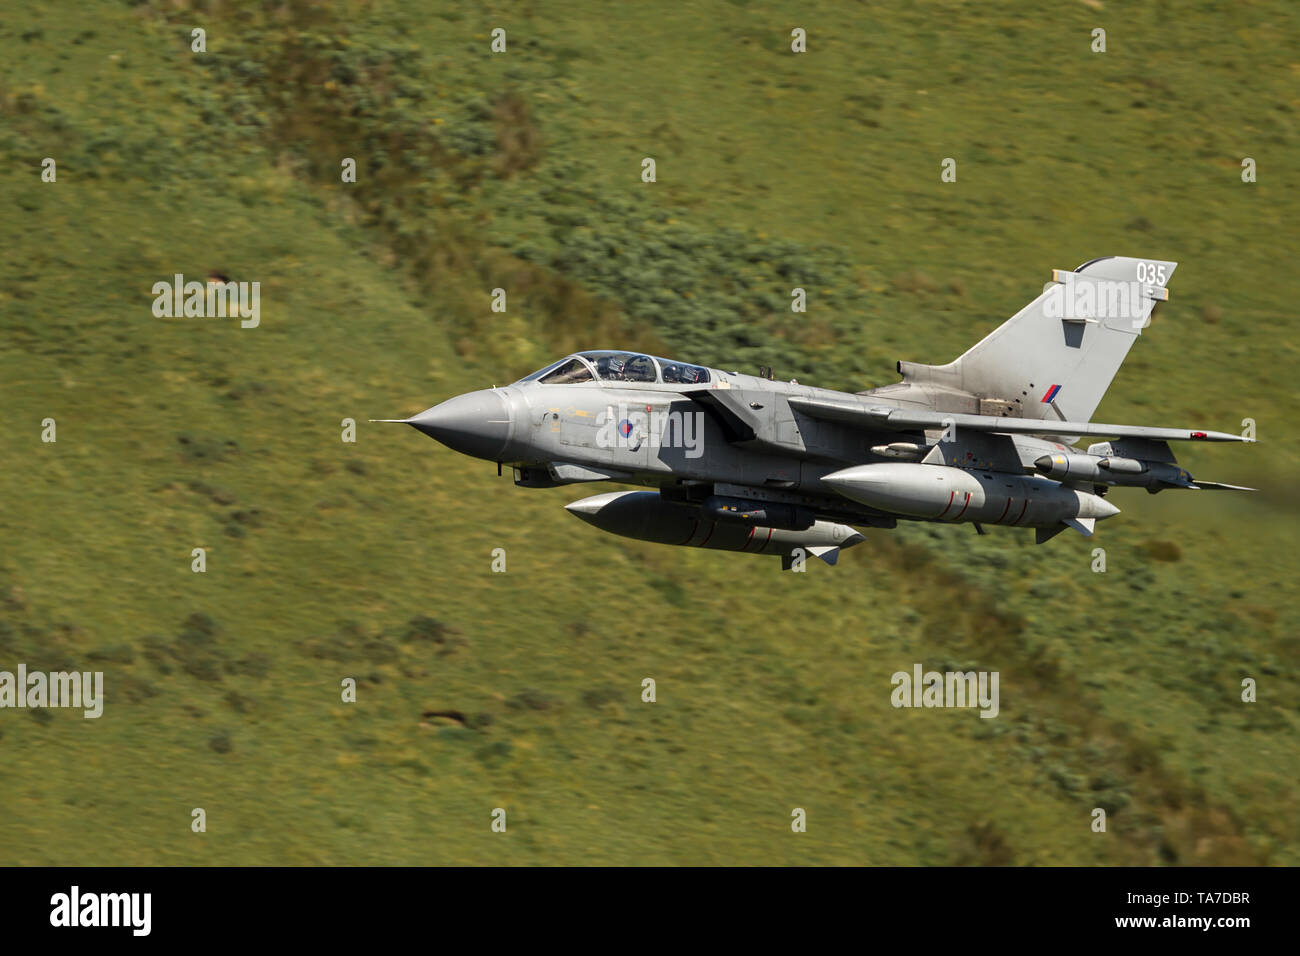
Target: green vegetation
[(522, 690)]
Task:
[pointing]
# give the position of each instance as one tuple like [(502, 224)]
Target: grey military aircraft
[(746, 463)]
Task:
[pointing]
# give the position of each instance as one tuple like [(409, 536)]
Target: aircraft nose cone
[(476, 423)]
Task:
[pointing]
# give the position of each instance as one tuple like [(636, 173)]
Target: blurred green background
[(521, 170)]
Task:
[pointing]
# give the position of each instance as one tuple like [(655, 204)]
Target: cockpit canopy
[(613, 366), (622, 366)]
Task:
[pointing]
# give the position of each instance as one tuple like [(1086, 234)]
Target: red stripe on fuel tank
[(767, 542), (1005, 509), (695, 527), (713, 526), (963, 508), (1022, 512), (745, 547), (951, 495)]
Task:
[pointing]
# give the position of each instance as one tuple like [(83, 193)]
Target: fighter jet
[(746, 463)]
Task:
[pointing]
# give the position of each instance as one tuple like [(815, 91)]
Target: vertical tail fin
[(1056, 357)]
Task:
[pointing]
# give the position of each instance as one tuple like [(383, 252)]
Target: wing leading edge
[(876, 417)]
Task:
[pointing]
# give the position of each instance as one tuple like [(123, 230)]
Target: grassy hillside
[(521, 170)]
